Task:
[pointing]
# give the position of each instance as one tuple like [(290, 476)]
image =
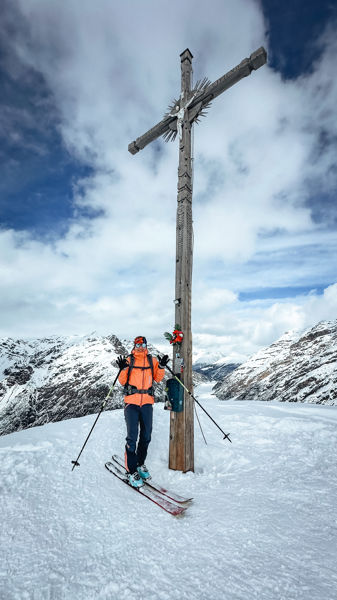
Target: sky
[(87, 231)]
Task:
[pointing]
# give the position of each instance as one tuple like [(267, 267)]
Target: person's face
[(141, 347)]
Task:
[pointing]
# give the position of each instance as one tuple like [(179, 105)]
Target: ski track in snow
[(262, 526)]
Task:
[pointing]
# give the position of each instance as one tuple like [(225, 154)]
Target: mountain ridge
[(299, 367), (57, 377)]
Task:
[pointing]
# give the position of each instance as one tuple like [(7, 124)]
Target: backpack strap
[(131, 389), (131, 366), (150, 359)]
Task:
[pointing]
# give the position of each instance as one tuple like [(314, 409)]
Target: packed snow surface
[(262, 525)]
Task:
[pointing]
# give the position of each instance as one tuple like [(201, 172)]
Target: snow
[(262, 525)]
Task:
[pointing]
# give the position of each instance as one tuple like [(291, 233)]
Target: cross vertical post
[(181, 454)]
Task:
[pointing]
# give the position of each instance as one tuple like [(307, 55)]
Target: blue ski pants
[(138, 421)]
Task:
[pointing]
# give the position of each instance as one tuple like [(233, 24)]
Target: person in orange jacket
[(138, 372)]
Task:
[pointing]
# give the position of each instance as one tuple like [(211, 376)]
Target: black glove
[(163, 361), (122, 362)]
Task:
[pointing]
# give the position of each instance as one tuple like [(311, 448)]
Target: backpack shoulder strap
[(150, 359), (131, 363)]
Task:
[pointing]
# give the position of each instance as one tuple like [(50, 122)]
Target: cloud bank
[(264, 177)]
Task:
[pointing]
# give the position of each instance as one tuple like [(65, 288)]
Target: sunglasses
[(143, 345)]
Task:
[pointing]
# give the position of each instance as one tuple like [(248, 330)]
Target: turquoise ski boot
[(144, 472), (135, 480)]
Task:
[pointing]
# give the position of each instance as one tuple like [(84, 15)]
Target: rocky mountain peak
[(299, 367)]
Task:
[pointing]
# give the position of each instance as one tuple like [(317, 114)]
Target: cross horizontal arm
[(150, 135), (256, 60), (246, 66)]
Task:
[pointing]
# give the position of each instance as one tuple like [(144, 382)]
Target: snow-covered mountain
[(56, 378), (296, 368), (216, 371), (214, 365)]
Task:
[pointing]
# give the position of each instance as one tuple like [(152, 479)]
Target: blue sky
[(87, 231)]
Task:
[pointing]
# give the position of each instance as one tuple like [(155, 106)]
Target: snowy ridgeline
[(56, 378), (296, 368), (262, 525)]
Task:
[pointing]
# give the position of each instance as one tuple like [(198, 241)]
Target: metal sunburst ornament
[(177, 110)]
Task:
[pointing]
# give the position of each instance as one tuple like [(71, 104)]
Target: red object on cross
[(177, 337)]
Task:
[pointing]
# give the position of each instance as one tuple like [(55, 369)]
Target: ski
[(152, 495), (150, 483)]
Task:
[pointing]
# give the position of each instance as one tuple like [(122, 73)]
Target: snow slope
[(262, 526)]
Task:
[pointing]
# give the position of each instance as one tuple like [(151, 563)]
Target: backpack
[(131, 389)]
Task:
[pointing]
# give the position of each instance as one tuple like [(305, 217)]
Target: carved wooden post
[(181, 424)]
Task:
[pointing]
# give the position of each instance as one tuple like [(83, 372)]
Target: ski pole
[(226, 435), (196, 414), (75, 462)]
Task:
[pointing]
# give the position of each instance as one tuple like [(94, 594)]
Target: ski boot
[(135, 480), (144, 472)]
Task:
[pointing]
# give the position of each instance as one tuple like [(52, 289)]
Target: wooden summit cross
[(182, 113)]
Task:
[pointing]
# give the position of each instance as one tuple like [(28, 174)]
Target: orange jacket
[(141, 378)]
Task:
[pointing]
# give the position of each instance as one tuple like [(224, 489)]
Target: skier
[(139, 371)]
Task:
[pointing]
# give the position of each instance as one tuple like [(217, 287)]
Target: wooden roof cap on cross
[(200, 98)]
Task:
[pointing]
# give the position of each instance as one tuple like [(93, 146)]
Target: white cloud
[(257, 160), (213, 298), (303, 312), (248, 326)]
